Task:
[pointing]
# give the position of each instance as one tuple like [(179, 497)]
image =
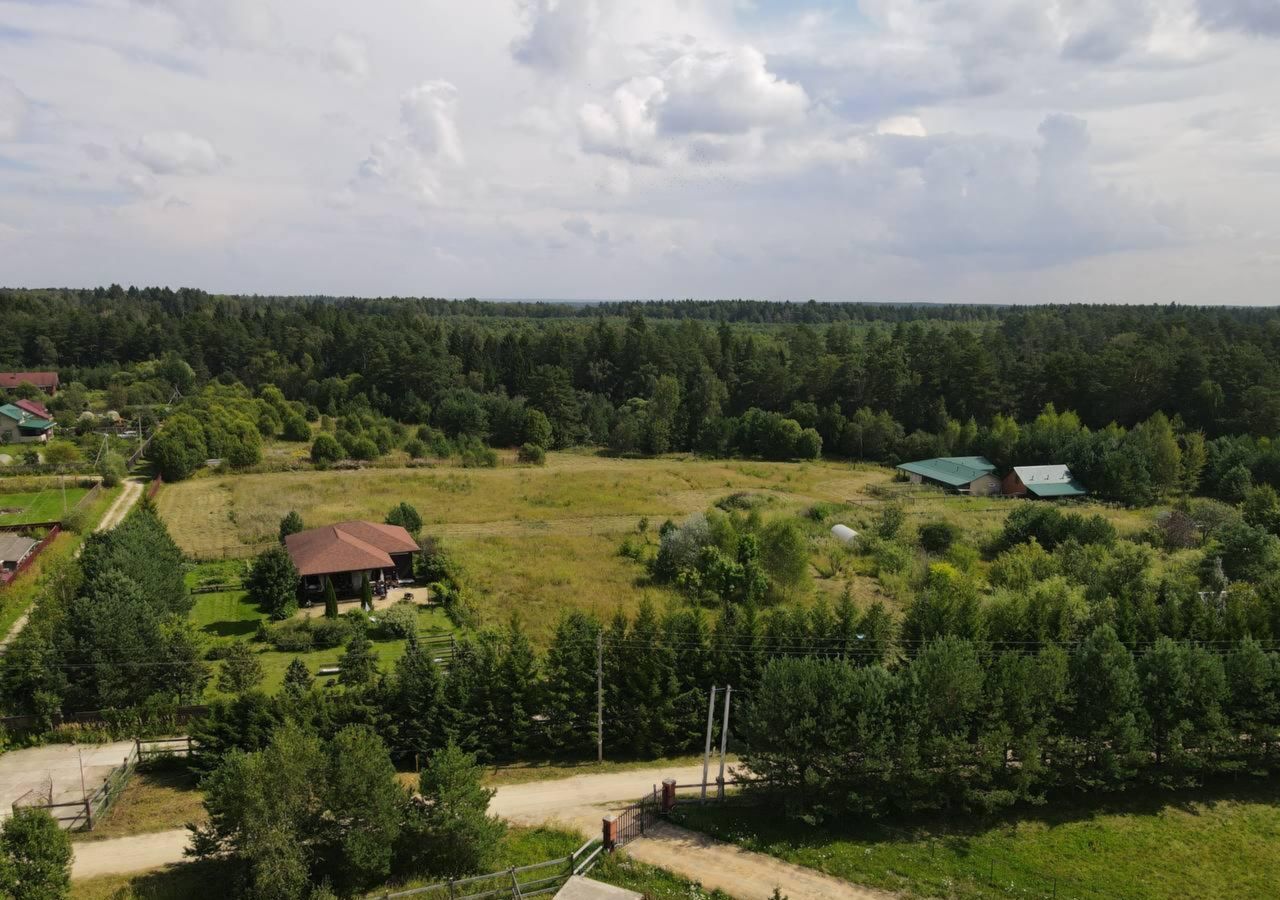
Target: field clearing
[(1210, 843), (540, 540), (220, 515), (38, 506)]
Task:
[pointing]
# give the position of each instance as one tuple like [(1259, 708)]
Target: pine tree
[(418, 697), (1105, 726), (366, 592), (569, 687), (518, 699), (297, 678), (330, 599), (241, 669), (359, 665)]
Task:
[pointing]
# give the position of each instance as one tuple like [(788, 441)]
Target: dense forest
[(1140, 401)]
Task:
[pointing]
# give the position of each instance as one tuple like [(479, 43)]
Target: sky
[(942, 150)]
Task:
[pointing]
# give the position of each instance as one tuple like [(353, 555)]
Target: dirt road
[(131, 491), (579, 802), (119, 508), (129, 854)]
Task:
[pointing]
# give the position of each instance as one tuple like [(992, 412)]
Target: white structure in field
[(843, 533)]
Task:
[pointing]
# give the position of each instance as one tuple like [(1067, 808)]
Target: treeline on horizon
[(875, 382)]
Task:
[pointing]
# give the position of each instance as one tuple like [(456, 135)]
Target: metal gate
[(632, 821)]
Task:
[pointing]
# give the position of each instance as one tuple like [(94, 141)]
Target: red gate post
[(609, 829), (668, 794)]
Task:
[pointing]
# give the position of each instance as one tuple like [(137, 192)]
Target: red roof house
[(348, 550), (46, 381), (38, 410)]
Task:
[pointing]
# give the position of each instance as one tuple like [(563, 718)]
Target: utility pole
[(600, 696), (706, 756), (724, 737)]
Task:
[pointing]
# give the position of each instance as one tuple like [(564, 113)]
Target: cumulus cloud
[(428, 147), (559, 36), (348, 56), (693, 103), (626, 125), (727, 92), (1257, 16), (13, 111), (176, 153), (428, 112)]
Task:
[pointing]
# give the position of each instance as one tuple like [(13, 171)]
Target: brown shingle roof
[(42, 380), (347, 547)]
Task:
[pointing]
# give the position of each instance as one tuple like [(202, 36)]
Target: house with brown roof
[(45, 381), (347, 551)]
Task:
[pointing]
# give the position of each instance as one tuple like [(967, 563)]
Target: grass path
[(1211, 843)]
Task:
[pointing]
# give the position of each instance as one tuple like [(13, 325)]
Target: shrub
[(328, 633), (293, 637), (937, 537), (400, 620), (76, 520), (325, 450), (533, 454)]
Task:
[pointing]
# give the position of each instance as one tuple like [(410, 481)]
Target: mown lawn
[(38, 506), (230, 616), (1218, 842)]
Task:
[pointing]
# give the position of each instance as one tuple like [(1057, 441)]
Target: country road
[(130, 492), (579, 802)]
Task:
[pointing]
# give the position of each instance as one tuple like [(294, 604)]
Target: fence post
[(88, 814)]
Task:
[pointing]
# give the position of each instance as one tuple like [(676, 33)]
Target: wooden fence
[(82, 814), (178, 715), (510, 884)]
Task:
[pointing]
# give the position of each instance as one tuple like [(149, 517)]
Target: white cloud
[(904, 126), (727, 92), (176, 153), (424, 156), (713, 147), (13, 111), (703, 103), (348, 56), (560, 34), (428, 112), (626, 125)]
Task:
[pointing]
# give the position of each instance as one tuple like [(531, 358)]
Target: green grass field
[(1216, 842), (38, 506), (540, 540)]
